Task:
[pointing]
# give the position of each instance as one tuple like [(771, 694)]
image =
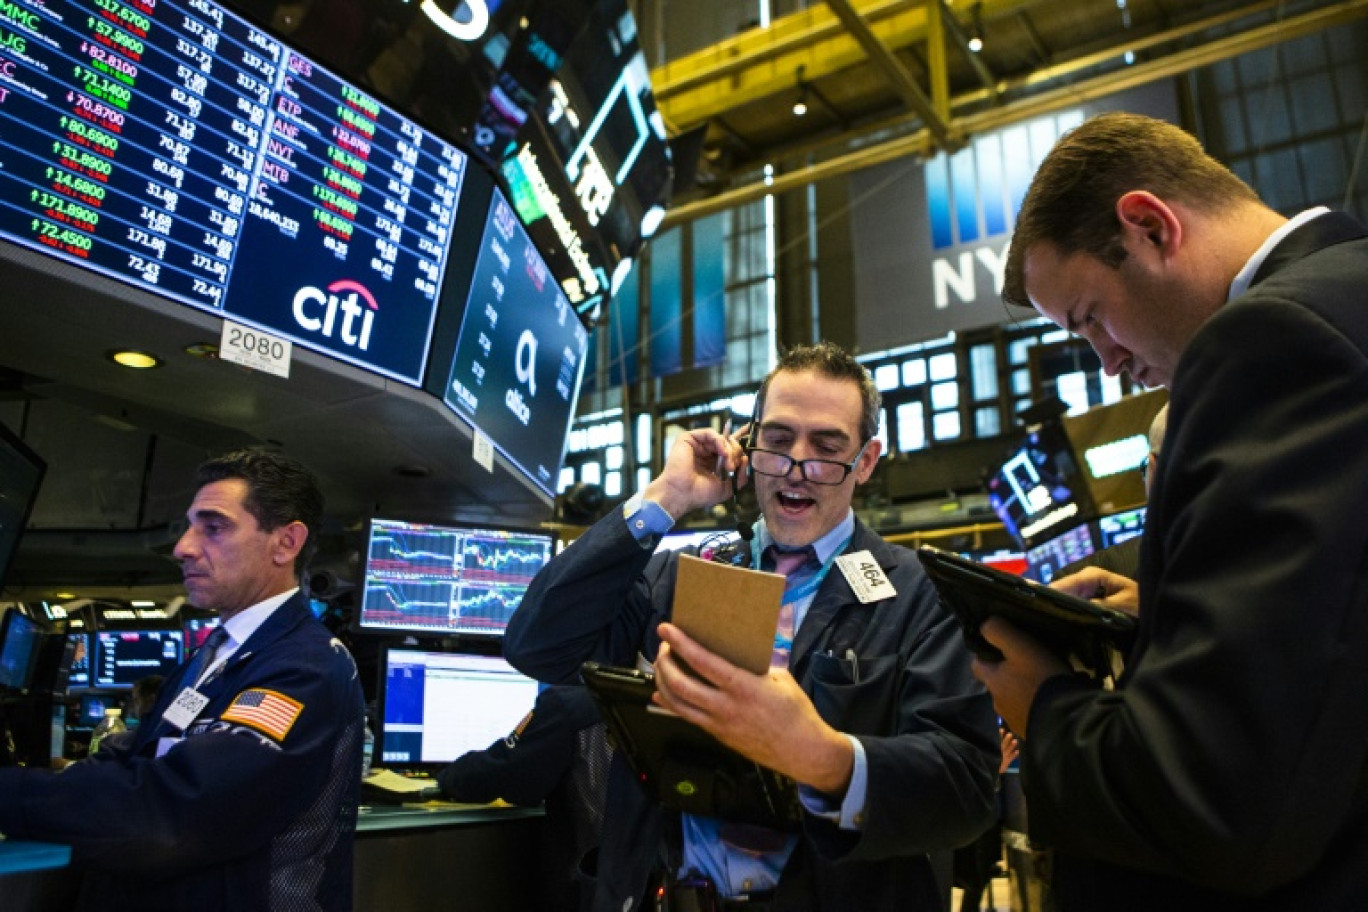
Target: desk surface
[(17, 856)]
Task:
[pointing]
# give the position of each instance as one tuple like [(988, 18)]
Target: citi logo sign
[(346, 311)]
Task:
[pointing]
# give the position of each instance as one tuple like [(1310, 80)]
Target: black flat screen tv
[(519, 358), (1039, 491), (20, 641)]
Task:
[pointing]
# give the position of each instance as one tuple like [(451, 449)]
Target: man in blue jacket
[(239, 788), (873, 710)]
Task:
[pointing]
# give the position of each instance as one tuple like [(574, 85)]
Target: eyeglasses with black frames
[(817, 471), (1145, 465)]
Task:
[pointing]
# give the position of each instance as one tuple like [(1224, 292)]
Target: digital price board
[(516, 371), (172, 145)]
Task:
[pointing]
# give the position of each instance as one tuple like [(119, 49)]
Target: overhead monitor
[(436, 706), (20, 643), (520, 353), (447, 580), (124, 657), (1039, 490), (21, 473), (176, 147)]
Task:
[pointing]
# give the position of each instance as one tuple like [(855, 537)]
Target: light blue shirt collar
[(824, 547)]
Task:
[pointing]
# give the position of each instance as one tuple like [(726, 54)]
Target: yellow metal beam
[(919, 143), (761, 63), (937, 64), (897, 75)]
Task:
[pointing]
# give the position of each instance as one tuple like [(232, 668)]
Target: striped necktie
[(786, 564)]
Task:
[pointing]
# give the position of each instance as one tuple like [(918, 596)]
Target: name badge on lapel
[(187, 706), (866, 577)]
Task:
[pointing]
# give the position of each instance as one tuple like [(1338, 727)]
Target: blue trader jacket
[(254, 809), (926, 725)]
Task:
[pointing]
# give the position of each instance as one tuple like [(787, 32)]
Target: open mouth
[(794, 504)]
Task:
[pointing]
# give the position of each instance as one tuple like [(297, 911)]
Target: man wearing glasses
[(873, 712)]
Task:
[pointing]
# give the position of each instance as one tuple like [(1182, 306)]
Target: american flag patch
[(265, 710)]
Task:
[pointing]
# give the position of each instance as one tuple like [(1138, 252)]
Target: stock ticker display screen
[(172, 145), (520, 353), (447, 580)]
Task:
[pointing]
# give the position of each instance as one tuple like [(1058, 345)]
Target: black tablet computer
[(1071, 627), (679, 764)]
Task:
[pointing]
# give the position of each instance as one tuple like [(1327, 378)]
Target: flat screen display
[(1046, 559), (20, 638), (171, 145), (1039, 490), (90, 710), (520, 353), (1119, 527), (79, 675), (447, 580), (436, 706), (123, 657)]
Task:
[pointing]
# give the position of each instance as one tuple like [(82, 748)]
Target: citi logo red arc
[(342, 285), (316, 311)]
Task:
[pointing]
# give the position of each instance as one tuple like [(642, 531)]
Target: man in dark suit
[(873, 711), (1227, 769), (238, 790)]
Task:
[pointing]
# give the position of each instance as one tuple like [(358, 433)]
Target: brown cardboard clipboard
[(730, 610)]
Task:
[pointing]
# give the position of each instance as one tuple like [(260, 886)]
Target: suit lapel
[(1321, 232), (834, 595)]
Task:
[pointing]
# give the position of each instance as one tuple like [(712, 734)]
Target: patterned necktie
[(786, 564), (205, 656)]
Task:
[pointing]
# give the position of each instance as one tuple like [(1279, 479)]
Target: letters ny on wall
[(930, 240)]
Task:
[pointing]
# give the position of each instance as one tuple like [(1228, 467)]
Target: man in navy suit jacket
[(1228, 768), (874, 711), (239, 789)]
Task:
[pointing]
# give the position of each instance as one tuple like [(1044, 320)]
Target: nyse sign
[(931, 239), (962, 276)]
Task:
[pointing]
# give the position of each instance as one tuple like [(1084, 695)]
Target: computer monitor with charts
[(447, 580), (436, 706)]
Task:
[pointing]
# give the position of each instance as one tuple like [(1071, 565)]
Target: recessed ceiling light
[(135, 359), (202, 350)]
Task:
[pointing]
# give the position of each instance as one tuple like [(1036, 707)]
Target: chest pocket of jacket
[(859, 697)]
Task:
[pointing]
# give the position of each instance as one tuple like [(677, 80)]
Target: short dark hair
[(1071, 203), (280, 491), (831, 361)]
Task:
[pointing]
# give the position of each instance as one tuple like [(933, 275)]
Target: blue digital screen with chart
[(447, 580)]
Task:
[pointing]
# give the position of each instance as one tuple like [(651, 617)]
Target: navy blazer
[(927, 726), (254, 814), (1229, 770)]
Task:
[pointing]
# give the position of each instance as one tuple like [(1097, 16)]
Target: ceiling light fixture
[(135, 359), (976, 36), (800, 107)]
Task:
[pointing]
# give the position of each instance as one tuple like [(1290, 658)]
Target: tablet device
[(1071, 627), (679, 764)]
